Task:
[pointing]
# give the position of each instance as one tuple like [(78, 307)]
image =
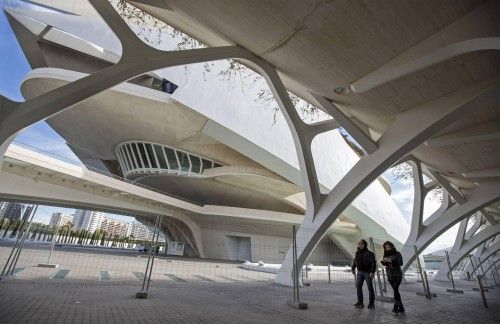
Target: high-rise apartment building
[(60, 219), (14, 210), (3, 206), (140, 231), (87, 220), (114, 227)]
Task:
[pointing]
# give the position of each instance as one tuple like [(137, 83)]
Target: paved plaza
[(41, 301), (92, 287)]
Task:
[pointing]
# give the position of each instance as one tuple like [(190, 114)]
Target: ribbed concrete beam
[(476, 31), (454, 193), (478, 222), (483, 132), (485, 173), (488, 217)]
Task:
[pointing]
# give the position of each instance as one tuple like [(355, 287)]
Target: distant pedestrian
[(364, 262), (157, 249), (393, 261)]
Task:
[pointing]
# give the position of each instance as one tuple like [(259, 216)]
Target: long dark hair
[(392, 251)]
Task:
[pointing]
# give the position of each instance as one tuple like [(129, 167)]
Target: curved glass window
[(151, 155), (142, 157), (206, 164), (184, 161), (172, 159), (161, 157), (137, 155), (195, 163), (130, 156)]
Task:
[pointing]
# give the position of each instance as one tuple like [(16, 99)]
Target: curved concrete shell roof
[(236, 111)]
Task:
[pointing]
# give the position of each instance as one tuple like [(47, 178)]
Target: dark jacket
[(364, 260), (393, 268)]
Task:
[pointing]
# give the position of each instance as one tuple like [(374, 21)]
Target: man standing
[(364, 261)]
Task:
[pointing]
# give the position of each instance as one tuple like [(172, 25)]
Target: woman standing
[(393, 261)]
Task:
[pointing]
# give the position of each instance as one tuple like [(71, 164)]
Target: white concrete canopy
[(405, 115)]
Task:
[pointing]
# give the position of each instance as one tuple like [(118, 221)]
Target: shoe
[(395, 309), (359, 305), (401, 309), (371, 305)]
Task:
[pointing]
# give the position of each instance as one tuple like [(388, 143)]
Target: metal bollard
[(383, 277), (481, 290), (296, 299), (147, 274), (455, 291), (329, 275), (419, 268), (472, 265), (427, 286)]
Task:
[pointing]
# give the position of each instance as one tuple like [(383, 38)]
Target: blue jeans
[(362, 276)]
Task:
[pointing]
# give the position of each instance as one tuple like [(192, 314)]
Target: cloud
[(402, 195)]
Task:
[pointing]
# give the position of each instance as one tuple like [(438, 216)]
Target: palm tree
[(92, 238), (7, 226), (104, 233), (17, 227), (65, 231)]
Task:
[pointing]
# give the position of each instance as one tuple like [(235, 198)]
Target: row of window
[(136, 157)]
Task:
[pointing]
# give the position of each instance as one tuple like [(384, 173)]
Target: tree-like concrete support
[(354, 130), (479, 252), (466, 247), (485, 194), (409, 130), (487, 216), (139, 58), (454, 208), (489, 252), (491, 265)]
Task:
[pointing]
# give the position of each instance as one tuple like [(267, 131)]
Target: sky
[(13, 67)]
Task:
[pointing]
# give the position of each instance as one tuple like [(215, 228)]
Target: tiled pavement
[(70, 301)]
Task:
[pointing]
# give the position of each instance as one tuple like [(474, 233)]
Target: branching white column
[(409, 130), (462, 236), (491, 265), (466, 247), (419, 194), (480, 250), (7, 106), (489, 252), (485, 194), (137, 58)]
